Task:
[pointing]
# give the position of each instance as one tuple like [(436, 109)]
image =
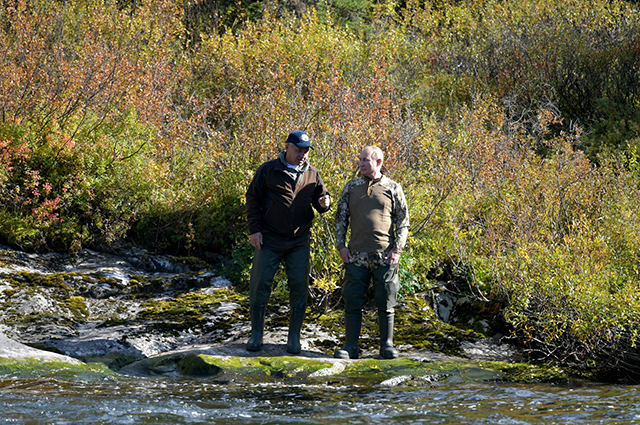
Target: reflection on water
[(148, 401)]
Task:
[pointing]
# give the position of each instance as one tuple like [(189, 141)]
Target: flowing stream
[(128, 400)]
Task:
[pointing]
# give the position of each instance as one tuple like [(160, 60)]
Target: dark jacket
[(277, 204)]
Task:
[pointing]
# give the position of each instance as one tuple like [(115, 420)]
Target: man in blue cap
[(279, 209)]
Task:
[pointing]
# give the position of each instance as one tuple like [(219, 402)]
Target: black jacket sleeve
[(319, 192), (255, 199)]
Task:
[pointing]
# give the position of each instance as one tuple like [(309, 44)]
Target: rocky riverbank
[(133, 311)]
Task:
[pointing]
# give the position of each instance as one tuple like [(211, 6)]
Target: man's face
[(296, 156), (369, 167)]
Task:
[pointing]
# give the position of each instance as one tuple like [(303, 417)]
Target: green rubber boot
[(257, 328), (385, 322), (352, 325), (295, 326)]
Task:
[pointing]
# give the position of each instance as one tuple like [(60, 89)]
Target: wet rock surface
[(127, 307), (10, 349)]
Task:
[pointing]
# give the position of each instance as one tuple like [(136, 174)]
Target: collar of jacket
[(283, 160), (370, 181)]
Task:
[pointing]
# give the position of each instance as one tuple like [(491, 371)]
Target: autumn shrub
[(196, 208), (252, 87), (82, 101), (550, 235), (537, 54)]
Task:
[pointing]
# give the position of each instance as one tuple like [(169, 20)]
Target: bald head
[(371, 159), (374, 151)]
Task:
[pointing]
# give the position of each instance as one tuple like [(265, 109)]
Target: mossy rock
[(28, 368), (303, 370), (114, 360), (373, 371), (189, 310), (253, 369), (528, 373)]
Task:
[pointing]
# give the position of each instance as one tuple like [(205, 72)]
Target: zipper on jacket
[(296, 183)]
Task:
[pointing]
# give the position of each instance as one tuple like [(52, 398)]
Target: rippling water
[(159, 401)]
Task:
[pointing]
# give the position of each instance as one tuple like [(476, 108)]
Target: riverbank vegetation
[(512, 126)]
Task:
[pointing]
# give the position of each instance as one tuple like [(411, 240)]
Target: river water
[(128, 400)]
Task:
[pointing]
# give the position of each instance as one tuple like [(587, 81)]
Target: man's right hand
[(324, 201), (256, 240), (345, 254)]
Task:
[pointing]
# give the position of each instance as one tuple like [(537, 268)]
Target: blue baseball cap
[(300, 139)]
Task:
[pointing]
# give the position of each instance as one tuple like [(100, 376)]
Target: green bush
[(542, 55)]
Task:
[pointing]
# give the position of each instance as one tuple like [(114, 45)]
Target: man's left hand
[(393, 257)]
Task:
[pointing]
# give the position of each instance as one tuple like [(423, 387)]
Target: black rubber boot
[(385, 322), (295, 326), (257, 328), (352, 325)]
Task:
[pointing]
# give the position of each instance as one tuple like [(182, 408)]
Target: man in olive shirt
[(280, 203), (375, 208)]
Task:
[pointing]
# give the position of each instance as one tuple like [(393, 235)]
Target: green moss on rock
[(24, 279), (189, 311), (36, 367), (78, 308), (256, 368), (374, 371), (304, 370), (197, 365), (417, 325), (528, 373), (194, 262), (253, 369)]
